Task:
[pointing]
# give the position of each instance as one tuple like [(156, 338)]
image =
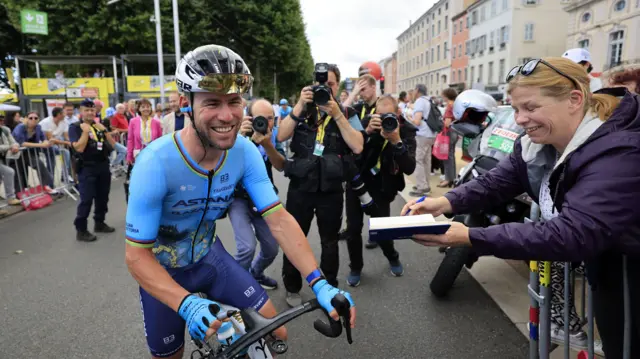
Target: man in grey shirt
[(425, 139)]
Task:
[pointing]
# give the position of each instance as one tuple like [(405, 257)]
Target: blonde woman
[(579, 161)]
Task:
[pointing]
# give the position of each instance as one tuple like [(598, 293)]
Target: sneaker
[(353, 279), (577, 341), (294, 299), (13, 202), (419, 192), (85, 236), (101, 227), (370, 245), (266, 282), (396, 268)]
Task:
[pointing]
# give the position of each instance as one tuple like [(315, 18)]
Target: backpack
[(434, 120)]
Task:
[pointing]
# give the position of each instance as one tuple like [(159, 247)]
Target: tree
[(268, 35)]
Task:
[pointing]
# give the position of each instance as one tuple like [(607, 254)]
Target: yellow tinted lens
[(226, 83)]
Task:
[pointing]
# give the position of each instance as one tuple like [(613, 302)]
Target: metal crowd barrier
[(119, 166), (540, 292), (42, 167)]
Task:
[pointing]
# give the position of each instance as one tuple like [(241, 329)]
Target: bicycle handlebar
[(258, 326)]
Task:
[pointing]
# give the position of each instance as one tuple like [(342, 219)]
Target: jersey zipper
[(204, 213)]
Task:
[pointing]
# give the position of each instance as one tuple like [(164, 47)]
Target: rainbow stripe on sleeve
[(271, 209), (140, 243)]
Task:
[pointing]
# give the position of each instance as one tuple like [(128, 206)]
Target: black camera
[(389, 122), (321, 92), (259, 124)]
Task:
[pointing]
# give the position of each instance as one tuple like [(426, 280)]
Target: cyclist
[(181, 184)]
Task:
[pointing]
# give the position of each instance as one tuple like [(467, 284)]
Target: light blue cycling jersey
[(168, 192)]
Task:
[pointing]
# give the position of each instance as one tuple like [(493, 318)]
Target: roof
[(426, 13), (68, 60)]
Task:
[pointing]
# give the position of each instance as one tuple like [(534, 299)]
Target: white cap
[(577, 55)]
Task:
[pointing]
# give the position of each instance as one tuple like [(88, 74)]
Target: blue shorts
[(217, 275)]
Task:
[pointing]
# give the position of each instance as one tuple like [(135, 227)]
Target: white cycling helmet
[(475, 100), (213, 68), (577, 55)]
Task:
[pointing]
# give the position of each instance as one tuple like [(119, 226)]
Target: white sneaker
[(577, 341), (442, 177)]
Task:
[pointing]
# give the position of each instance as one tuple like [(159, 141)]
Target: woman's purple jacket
[(595, 188)]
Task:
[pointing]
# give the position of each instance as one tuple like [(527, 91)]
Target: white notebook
[(404, 227)]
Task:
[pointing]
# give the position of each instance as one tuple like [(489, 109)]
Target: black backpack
[(434, 120)]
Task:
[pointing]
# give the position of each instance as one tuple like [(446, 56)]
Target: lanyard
[(321, 130), (95, 134), (377, 166), (373, 109)]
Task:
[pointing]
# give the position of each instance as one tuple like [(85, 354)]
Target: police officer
[(388, 155), (92, 147), (324, 137)]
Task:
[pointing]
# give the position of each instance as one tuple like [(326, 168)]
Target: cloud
[(350, 32)]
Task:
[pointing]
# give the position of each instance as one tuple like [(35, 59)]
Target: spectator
[(629, 78), (13, 119), (7, 175), (119, 149), (131, 109), (56, 130), (158, 114), (174, 121), (425, 139), (69, 117), (344, 95), (402, 101), (99, 105), (32, 137), (118, 121), (450, 95)]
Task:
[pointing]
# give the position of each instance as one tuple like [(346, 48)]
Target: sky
[(350, 32)]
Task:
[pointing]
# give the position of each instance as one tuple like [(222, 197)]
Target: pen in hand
[(418, 201)]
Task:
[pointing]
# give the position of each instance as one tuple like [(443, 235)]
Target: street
[(65, 299)]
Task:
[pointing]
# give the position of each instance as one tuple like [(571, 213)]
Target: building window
[(616, 40), (505, 4), (586, 17), (422, 59), (466, 74), (433, 30), (528, 32), (583, 43), (432, 54), (453, 53), (439, 27), (460, 49), (504, 34), (474, 18), (460, 75), (620, 5), (427, 56), (446, 6), (446, 22), (438, 56), (446, 50), (490, 75), (494, 7), (473, 74), (480, 73), (453, 76), (491, 39), (439, 11), (501, 76), (455, 27), (482, 14), (531, 2), (431, 79)]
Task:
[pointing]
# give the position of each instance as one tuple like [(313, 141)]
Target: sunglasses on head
[(529, 67)]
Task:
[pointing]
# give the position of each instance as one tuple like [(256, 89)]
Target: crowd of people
[(351, 152)]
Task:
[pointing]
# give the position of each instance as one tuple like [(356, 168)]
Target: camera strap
[(373, 109), (376, 169), (319, 147)]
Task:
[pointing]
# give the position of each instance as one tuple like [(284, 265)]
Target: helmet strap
[(204, 141)]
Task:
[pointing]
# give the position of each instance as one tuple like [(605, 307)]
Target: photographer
[(248, 225), (388, 155), (322, 143)]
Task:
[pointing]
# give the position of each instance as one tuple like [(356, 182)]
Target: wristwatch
[(399, 147)]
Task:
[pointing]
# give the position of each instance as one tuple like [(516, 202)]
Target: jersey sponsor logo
[(222, 189), (131, 228), (249, 292), (224, 178), (200, 201), (169, 339)]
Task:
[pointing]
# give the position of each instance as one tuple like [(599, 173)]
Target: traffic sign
[(34, 22)]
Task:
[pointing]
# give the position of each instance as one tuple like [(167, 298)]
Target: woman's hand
[(433, 206), (246, 126), (456, 236)]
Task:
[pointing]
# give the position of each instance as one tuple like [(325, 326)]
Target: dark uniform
[(382, 167), (316, 173), (94, 177)]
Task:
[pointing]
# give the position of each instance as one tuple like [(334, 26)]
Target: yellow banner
[(8, 98), (150, 84), (44, 87)]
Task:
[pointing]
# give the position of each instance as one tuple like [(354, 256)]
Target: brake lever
[(334, 328)]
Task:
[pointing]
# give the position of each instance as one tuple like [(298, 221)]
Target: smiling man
[(180, 186)]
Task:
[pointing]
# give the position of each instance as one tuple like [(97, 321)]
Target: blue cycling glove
[(325, 292), (199, 313)]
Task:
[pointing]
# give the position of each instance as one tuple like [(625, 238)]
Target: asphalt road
[(65, 299)]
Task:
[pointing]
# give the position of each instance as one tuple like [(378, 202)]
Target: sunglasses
[(528, 68), (226, 83), (32, 118)]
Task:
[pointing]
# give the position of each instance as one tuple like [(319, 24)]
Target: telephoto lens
[(389, 122), (361, 191), (321, 94), (260, 124)]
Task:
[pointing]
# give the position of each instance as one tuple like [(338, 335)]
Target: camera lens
[(321, 95), (260, 125), (389, 122)]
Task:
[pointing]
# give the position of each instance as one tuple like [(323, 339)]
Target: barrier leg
[(534, 310), (590, 324), (545, 310), (567, 309), (626, 353)]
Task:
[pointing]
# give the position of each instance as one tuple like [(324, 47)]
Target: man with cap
[(92, 147), (582, 57)]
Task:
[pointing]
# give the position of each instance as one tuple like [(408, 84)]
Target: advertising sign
[(150, 84)]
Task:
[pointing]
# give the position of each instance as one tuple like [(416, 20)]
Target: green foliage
[(269, 35)]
